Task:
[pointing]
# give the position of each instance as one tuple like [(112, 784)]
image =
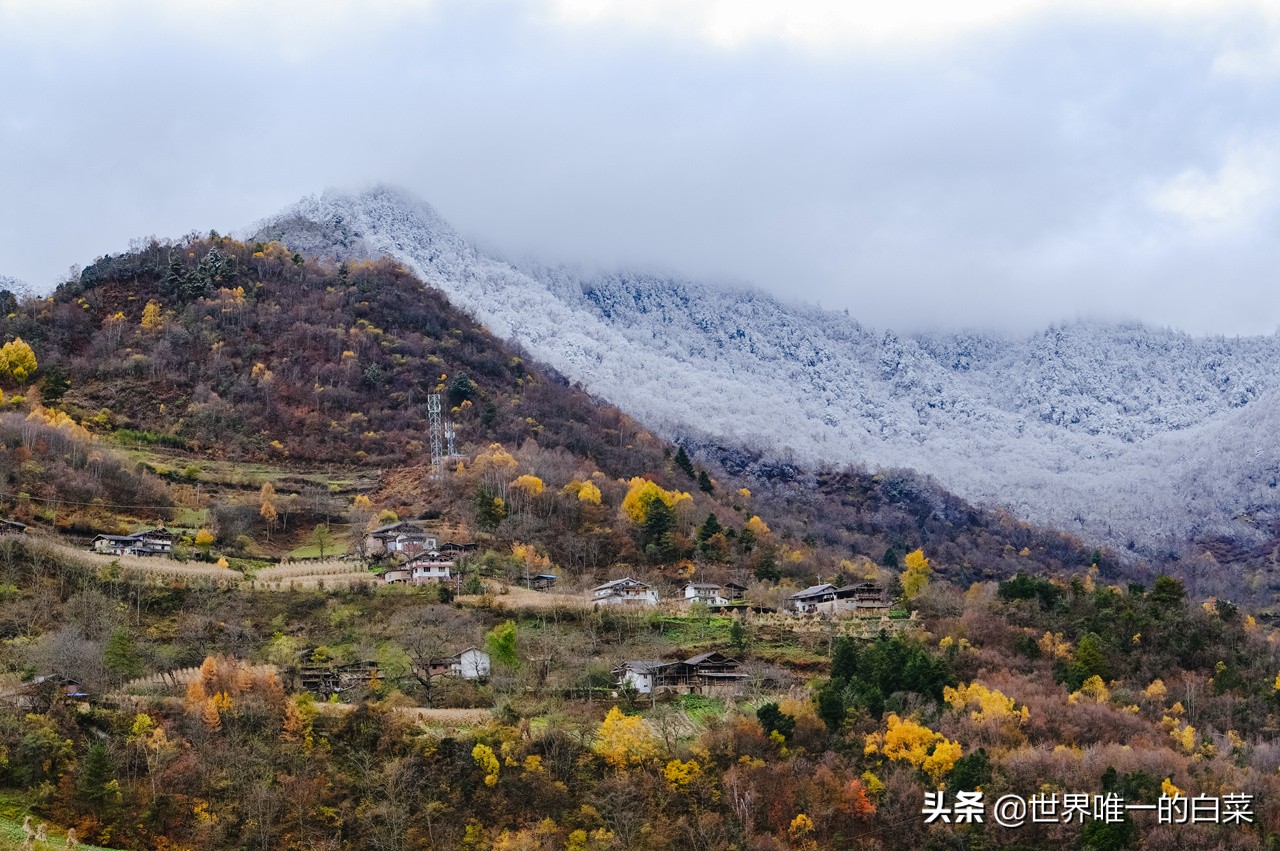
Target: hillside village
[(244, 604)]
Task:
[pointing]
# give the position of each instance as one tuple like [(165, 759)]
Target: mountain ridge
[(1096, 428)]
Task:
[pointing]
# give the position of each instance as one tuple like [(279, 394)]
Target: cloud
[(1235, 196), (983, 163), (294, 30), (841, 24)]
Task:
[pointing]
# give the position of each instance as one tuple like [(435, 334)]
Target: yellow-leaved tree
[(915, 576), (204, 539), (984, 704), (522, 490), (17, 361), (528, 557), (680, 775), (1092, 690), (267, 506), (494, 467), (641, 492), (531, 485), (487, 760), (625, 740), (151, 315), (589, 493), (914, 743)]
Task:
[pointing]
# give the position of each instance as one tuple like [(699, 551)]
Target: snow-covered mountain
[(1134, 434)]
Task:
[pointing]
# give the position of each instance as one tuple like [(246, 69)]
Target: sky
[(989, 164)]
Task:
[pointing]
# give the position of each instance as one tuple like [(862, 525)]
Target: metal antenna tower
[(448, 438), (434, 428)]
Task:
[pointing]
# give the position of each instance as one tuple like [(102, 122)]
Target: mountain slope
[(221, 349), (1082, 425)]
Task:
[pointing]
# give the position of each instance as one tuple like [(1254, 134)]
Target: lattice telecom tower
[(448, 439), (435, 430)]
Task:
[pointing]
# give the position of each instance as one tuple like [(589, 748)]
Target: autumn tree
[(17, 361), (642, 493), (204, 540), (626, 740), (586, 491), (523, 490), (912, 742), (488, 762), (267, 506), (915, 576), (494, 467), (151, 316)]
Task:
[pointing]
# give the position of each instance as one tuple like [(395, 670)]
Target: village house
[(149, 542), (710, 673), (327, 679), (639, 674), (863, 599), (539, 581), (396, 575), (424, 567), (401, 538), (429, 567), (622, 591), (813, 597), (38, 694), (871, 598), (470, 664), (705, 592)]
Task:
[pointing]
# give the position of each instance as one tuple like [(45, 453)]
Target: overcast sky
[(1001, 163)]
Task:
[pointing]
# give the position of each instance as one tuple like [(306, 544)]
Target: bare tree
[(428, 633)]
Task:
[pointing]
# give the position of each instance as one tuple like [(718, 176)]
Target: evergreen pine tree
[(120, 656), (710, 527), (683, 462), (94, 787)]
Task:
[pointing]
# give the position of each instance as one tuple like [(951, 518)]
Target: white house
[(626, 590), (640, 675), (470, 664), (705, 592), (148, 542), (429, 567), (812, 598)]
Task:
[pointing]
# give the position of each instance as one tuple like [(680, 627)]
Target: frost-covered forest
[(1140, 436)]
